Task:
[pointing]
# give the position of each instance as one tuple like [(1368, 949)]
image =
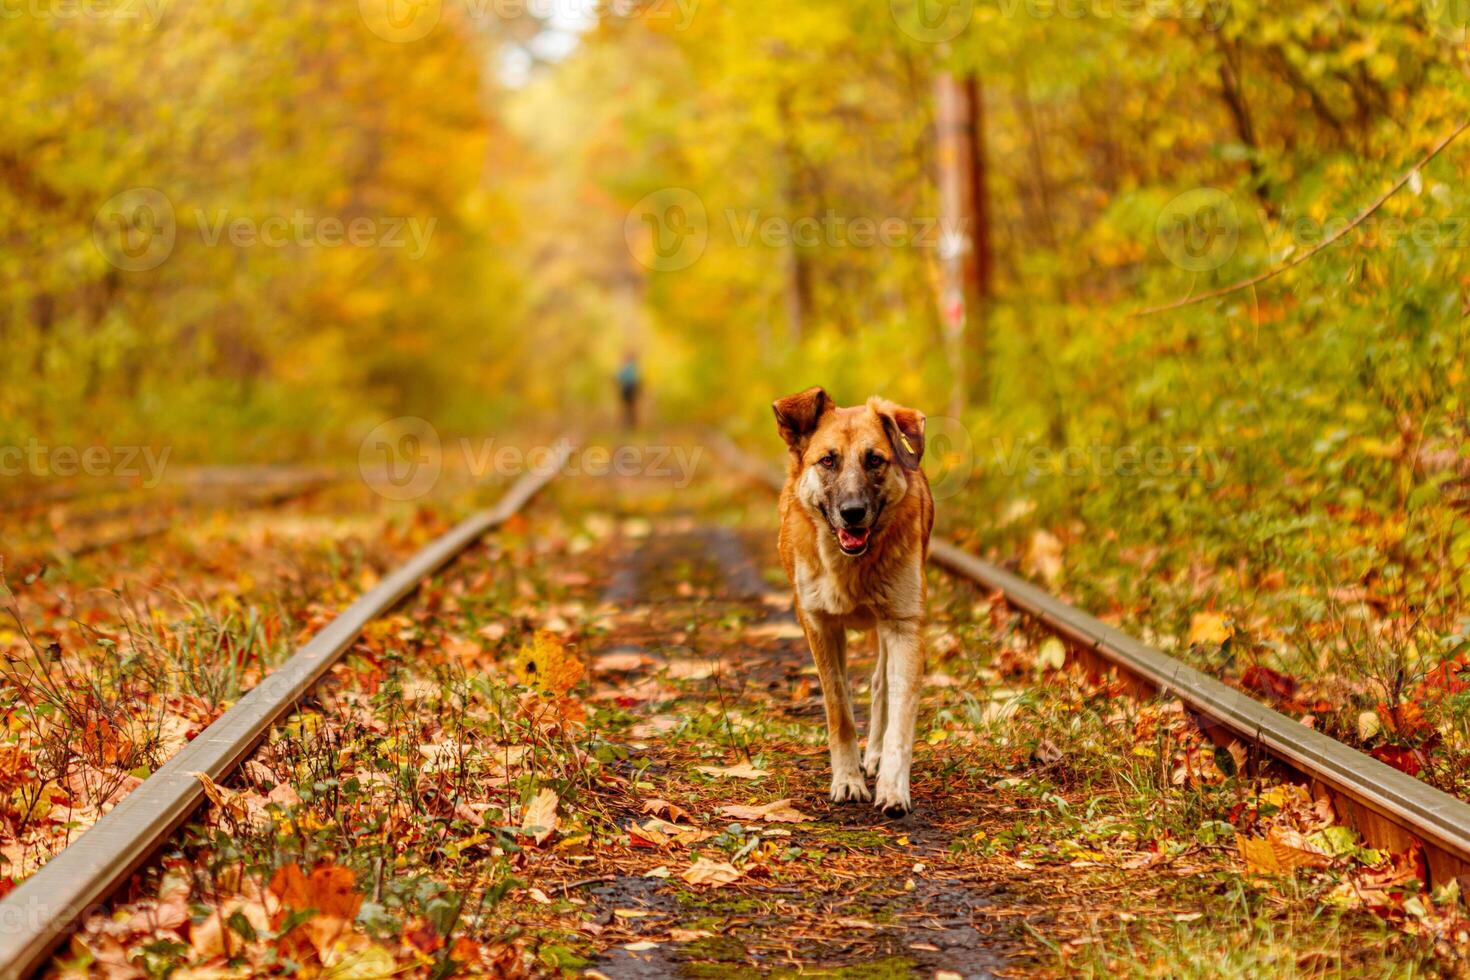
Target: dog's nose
[(853, 513)]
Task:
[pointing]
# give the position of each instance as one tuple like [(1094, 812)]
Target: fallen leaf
[(621, 661), (539, 821), (669, 811), (743, 771), (1052, 654), (1271, 856), (1208, 629), (1402, 759), (778, 630), (372, 962), (1044, 556), (546, 663), (1268, 681), (780, 811), (1369, 725), (1047, 753), (707, 872)]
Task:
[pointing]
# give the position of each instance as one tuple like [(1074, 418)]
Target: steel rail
[(1389, 808), (38, 915)]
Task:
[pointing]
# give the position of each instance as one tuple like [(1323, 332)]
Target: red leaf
[(1451, 677), (1268, 681), (423, 937), (1402, 759)]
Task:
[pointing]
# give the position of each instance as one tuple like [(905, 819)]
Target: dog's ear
[(797, 416), (904, 428)]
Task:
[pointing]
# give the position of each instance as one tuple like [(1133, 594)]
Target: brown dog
[(855, 520)]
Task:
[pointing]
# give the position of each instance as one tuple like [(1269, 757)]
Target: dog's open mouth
[(853, 541)]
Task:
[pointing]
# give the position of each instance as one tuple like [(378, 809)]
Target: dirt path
[(704, 657), (868, 910)]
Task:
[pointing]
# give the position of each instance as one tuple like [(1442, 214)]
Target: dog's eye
[(874, 461), (829, 460)]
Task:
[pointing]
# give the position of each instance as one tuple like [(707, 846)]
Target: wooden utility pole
[(966, 259)]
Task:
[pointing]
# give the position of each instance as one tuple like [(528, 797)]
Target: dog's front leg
[(828, 641), (877, 710), (904, 653)]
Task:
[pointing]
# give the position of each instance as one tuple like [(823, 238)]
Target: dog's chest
[(847, 588)]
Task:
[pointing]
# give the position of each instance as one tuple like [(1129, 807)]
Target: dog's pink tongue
[(850, 539)]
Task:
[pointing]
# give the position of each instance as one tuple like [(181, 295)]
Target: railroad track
[(1388, 807), (1391, 809), (38, 915), (144, 522)]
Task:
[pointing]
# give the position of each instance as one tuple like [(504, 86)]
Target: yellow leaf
[(369, 963), (546, 663), (1208, 629), (539, 821), (1268, 855)]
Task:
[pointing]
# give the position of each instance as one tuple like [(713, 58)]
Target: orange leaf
[(669, 811), (330, 890)]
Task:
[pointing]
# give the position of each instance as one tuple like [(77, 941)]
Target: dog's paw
[(894, 802), (871, 765), (850, 789)]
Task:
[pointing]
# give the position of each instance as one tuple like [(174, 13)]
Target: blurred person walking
[(629, 383)]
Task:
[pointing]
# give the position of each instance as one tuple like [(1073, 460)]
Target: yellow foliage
[(546, 664)]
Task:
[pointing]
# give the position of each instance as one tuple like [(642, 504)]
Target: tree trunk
[(966, 260)]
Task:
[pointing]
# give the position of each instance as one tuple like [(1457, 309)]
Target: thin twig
[(1327, 242)]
